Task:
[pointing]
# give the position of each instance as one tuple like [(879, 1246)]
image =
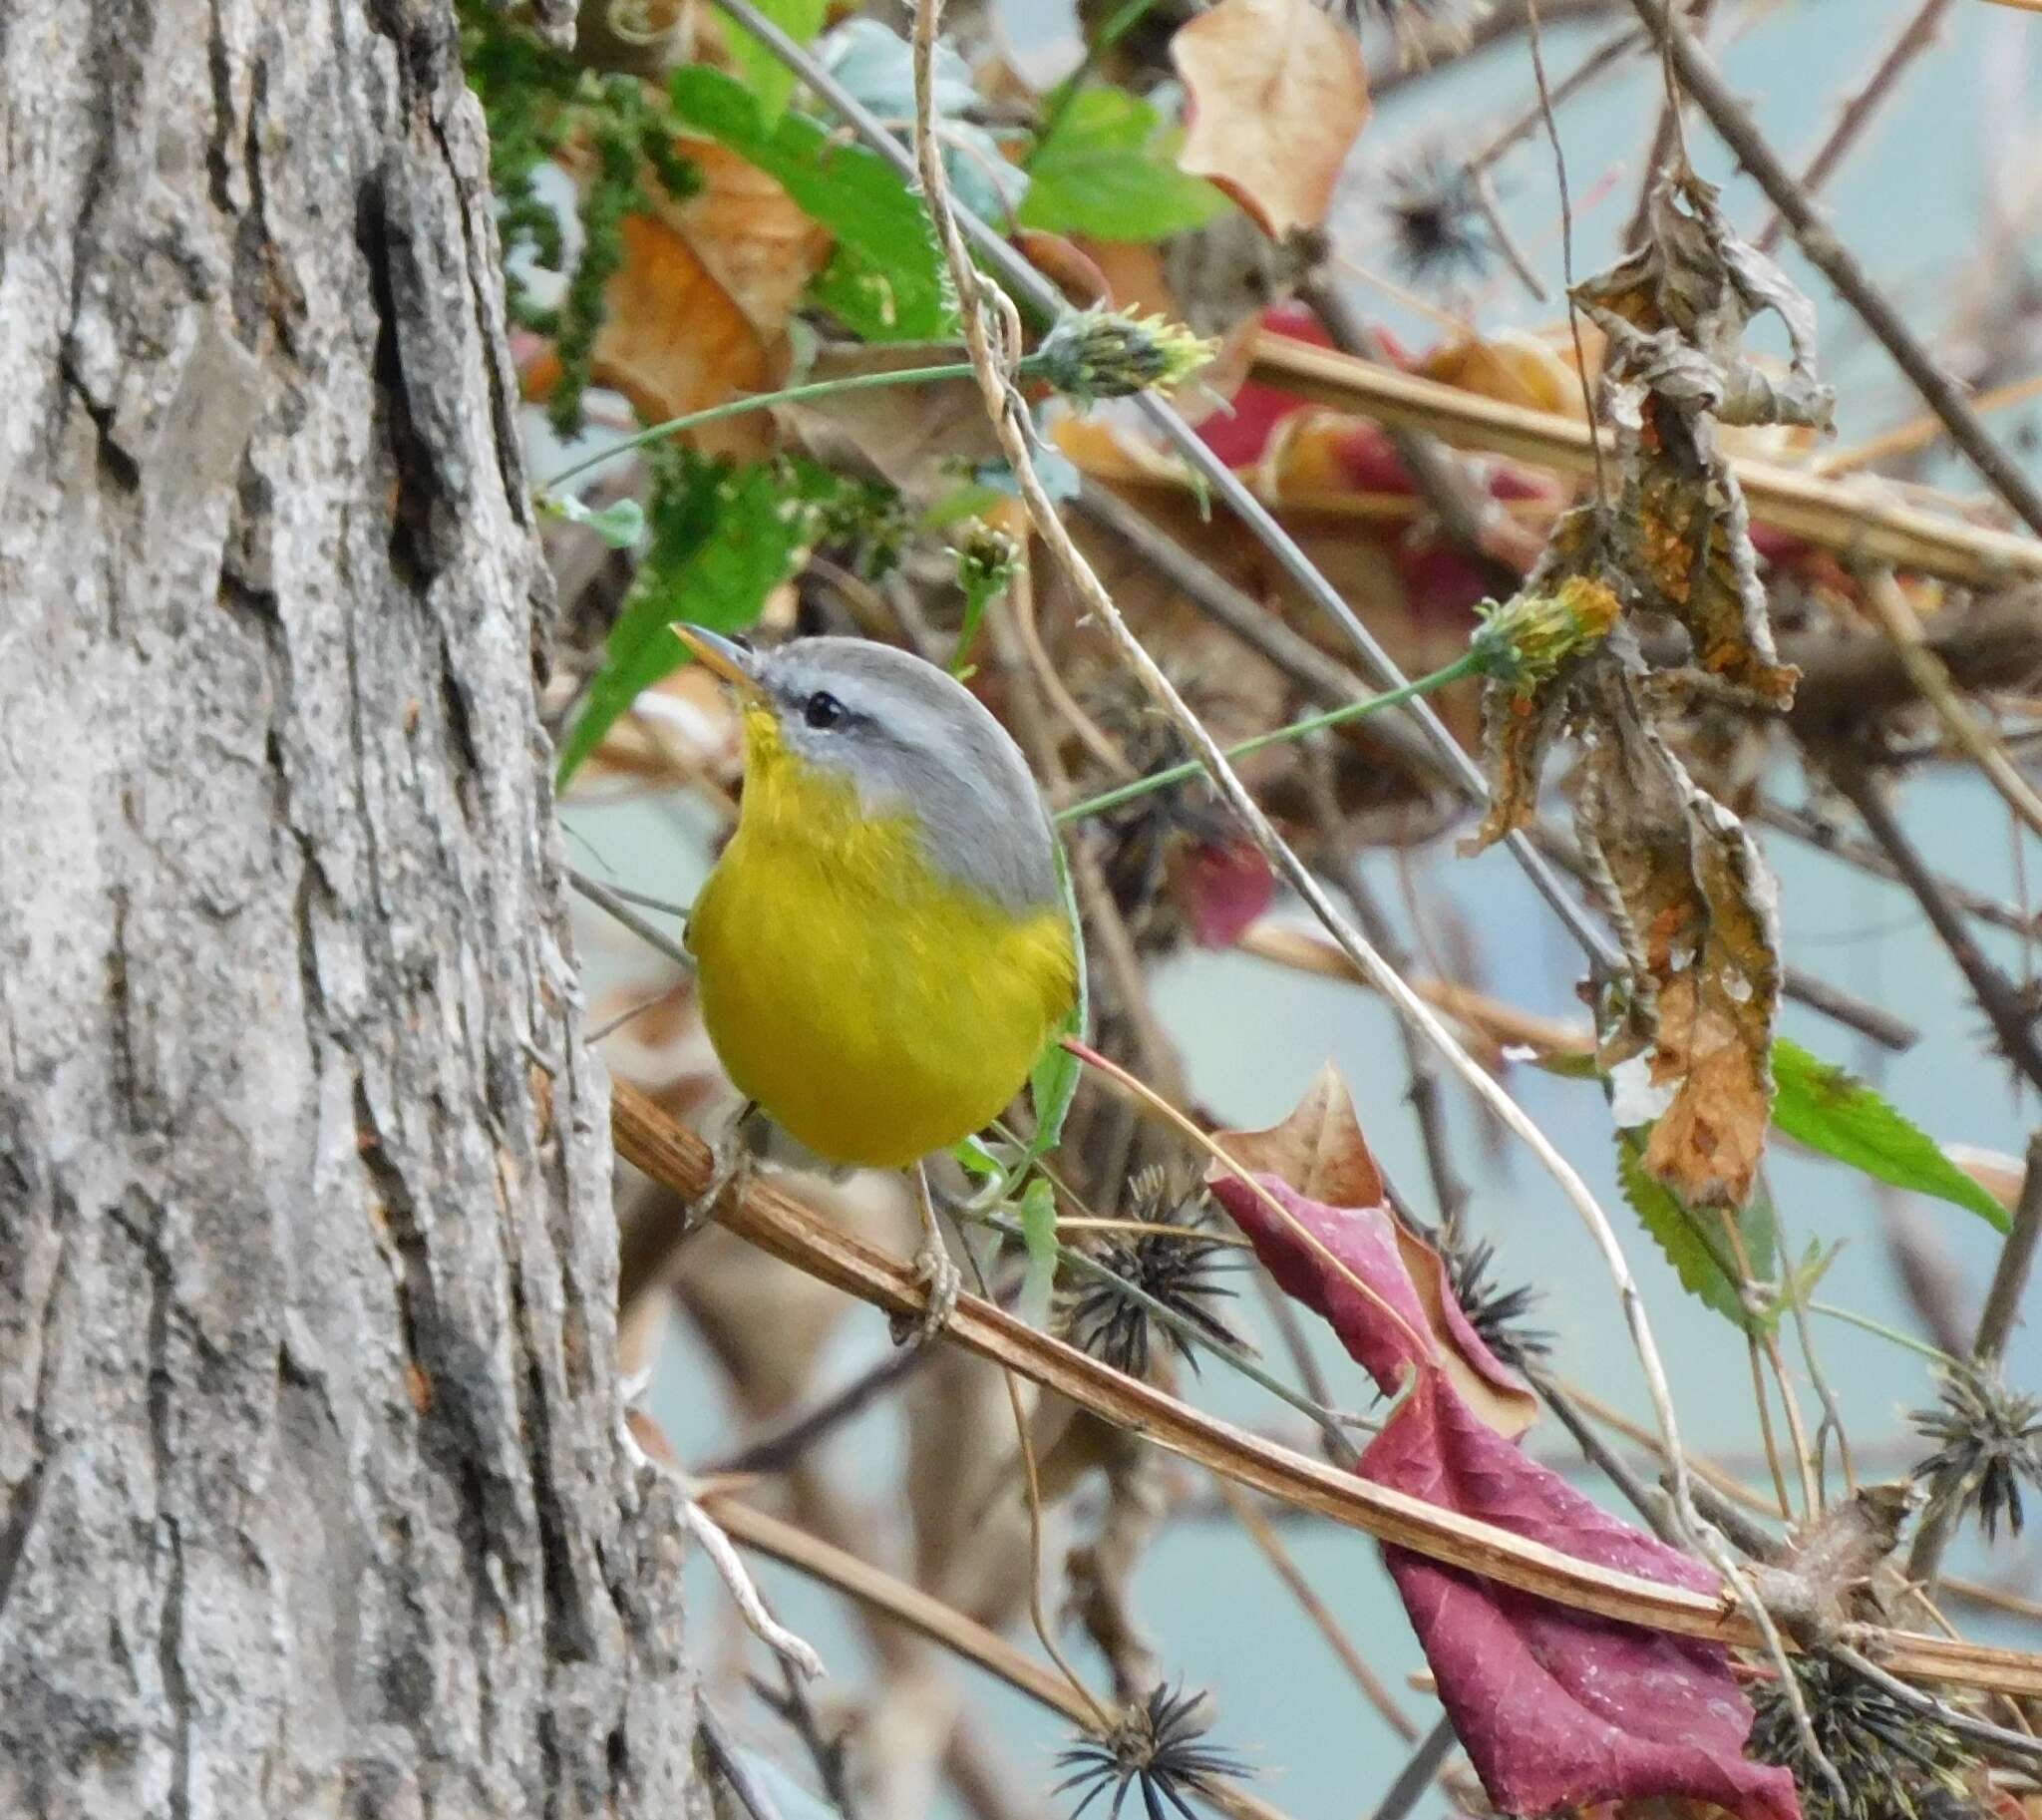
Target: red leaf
[(1554, 1707), (1221, 887)]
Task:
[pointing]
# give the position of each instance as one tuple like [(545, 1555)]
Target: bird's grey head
[(913, 739)]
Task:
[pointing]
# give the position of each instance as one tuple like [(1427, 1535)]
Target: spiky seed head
[(1177, 1266), (1895, 1763), (1989, 1443), (1157, 1746), (1102, 353), (1437, 222), (1497, 1315)]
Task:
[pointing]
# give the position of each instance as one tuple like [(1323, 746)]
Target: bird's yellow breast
[(875, 1009)]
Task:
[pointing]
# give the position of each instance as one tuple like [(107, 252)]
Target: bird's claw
[(934, 1266), (732, 1165)]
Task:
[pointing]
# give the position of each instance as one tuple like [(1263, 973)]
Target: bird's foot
[(934, 1266), (731, 1167)]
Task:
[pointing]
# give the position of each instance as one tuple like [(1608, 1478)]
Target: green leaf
[(771, 80), (885, 279), (1053, 1082), (1038, 1211), (1693, 1237), (1110, 169), (619, 525), (721, 542), (1828, 1110)]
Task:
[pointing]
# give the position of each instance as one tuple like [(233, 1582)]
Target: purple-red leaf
[(1557, 1709)]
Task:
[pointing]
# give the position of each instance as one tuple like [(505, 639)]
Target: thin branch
[(1263, 1534), (942, 1624), (1927, 673), (1604, 56), (1997, 996), (613, 901), (735, 1771), (1417, 1774), (1828, 256), (1854, 850), (2016, 1259), (766, 1216), (1913, 37)]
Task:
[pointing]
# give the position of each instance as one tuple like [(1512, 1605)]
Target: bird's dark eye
[(821, 709)]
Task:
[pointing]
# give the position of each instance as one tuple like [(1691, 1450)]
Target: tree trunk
[(312, 1500)]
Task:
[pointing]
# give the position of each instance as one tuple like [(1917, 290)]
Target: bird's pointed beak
[(722, 657)]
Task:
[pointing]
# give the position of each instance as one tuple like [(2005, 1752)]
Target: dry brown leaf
[(696, 312), (1318, 1166), (1697, 912), (922, 438), (1675, 313), (1278, 95), (1318, 1148)]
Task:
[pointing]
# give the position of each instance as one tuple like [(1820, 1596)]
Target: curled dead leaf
[(1279, 94), (1697, 912)]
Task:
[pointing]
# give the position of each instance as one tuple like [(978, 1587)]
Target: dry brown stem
[(768, 1217), (1853, 521)]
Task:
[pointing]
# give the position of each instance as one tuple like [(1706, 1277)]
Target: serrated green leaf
[(1830, 1110), (1053, 1082), (885, 278), (1110, 169), (1038, 1211), (1693, 1237), (721, 542), (771, 80)]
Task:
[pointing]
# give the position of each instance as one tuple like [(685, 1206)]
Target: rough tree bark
[(311, 1496)]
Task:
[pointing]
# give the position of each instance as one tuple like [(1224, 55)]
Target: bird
[(884, 948)]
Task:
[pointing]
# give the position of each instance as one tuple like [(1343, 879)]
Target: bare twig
[(2016, 1257), (1701, 79), (1418, 1773), (1604, 56), (1247, 1512), (766, 1216), (614, 901), (941, 1623), (1867, 857), (1996, 994), (1927, 671), (1913, 37), (1995, 1324), (732, 1767)]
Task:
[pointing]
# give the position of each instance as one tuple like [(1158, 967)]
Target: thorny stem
[(1995, 1322), (1463, 666), (1417, 1774), (1700, 77), (1995, 993), (1041, 296)]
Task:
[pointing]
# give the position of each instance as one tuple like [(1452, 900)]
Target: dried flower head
[(1102, 353), (1156, 1746), (1525, 641), (1894, 1761), (986, 559), (1989, 1440), (1177, 1266), (1496, 1313), (1437, 222)]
